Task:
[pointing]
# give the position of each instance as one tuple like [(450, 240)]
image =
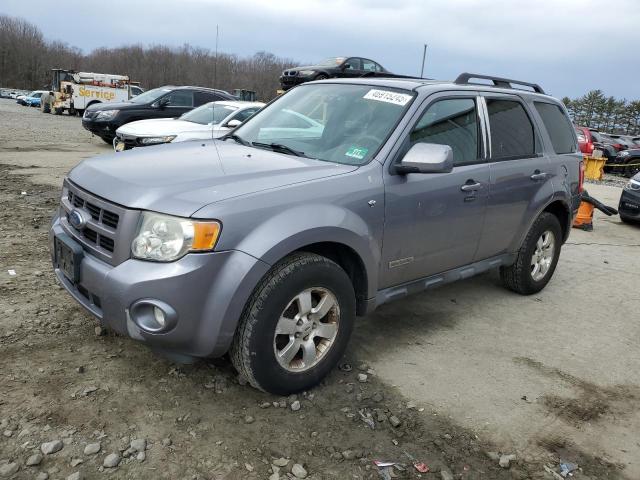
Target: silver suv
[(337, 197)]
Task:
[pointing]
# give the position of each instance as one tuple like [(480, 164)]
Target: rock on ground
[(34, 460), (92, 448), (51, 447), (9, 469), (298, 471), (111, 461)]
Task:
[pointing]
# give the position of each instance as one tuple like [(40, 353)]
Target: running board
[(427, 283)]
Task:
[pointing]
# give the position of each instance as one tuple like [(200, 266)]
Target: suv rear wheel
[(537, 258), (296, 326)]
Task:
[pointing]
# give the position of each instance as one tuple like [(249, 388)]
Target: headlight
[(156, 140), (164, 238), (623, 153), (633, 185), (306, 73), (106, 114)]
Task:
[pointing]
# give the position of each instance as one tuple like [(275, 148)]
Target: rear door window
[(452, 122), (512, 133), (181, 98), (558, 127)]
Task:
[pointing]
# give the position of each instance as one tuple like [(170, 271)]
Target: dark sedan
[(629, 207), (103, 119), (631, 161), (334, 67)]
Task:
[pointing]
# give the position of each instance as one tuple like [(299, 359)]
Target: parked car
[(33, 99), (585, 140), (20, 98), (207, 121), (630, 158), (164, 102), (629, 206), (268, 249), (334, 67), (603, 144)]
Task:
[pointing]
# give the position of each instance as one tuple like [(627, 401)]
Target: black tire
[(321, 76), (518, 277), (80, 112), (72, 112), (628, 221), (255, 358)]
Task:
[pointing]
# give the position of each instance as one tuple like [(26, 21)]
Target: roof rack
[(463, 79)]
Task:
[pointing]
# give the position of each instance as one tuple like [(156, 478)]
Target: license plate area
[(68, 256)]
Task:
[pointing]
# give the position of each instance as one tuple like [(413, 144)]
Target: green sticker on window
[(357, 152)]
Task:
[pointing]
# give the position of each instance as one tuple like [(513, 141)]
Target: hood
[(179, 179), (161, 127), (309, 67), (115, 106)]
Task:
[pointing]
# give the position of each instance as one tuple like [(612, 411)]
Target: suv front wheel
[(296, 325), (537, 258)]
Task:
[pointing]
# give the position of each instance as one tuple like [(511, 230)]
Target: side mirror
[(345, 65), (163, 102), (233, 123), (427, 158)]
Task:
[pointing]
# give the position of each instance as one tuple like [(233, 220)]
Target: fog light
[(153, 316), (160, 317)]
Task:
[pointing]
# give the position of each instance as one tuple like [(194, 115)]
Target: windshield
[(331, 62), (207, 115), (150, 96), (336, 123)]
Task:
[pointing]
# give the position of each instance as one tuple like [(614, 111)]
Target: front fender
[(299, 226)]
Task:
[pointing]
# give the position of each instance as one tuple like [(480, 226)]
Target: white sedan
[(210, 120)]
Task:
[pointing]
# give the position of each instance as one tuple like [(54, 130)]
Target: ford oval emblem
[(77, 220)]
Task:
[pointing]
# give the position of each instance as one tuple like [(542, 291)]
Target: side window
[(369, 66), (244, 114), (558, 127), (181, 98), (512, 134), (354, 64), (452, 122), (200, 98)]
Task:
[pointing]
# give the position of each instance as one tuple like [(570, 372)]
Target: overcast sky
[(568, 46)]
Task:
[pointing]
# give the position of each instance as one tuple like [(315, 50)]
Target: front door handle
[(471, 187), (538, 175)]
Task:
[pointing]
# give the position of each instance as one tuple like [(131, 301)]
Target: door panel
[(520, 186), (433, 222), (431, 225)]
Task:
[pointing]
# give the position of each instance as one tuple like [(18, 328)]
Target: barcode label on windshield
[(389, 97)]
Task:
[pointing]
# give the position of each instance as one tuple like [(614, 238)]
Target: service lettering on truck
[(85, 92)]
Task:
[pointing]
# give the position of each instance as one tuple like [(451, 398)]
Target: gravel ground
[(75, 400)]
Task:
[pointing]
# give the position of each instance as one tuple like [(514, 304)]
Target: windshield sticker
[(357, 152), (389, 97)]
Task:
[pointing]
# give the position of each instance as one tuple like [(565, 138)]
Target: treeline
[(26, 60), (606, 114)]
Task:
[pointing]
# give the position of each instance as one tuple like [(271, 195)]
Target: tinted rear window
[(558, 127), (512, 134)]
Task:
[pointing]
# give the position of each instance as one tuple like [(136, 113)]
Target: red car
[(585, 140)]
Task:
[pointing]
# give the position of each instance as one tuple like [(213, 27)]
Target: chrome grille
[(109, 228)]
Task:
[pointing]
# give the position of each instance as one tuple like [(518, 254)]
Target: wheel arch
[(350, 262), (561, 210)]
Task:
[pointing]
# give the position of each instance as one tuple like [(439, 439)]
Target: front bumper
[(287, 82), (629, 206), (101, 129), (208, 291)]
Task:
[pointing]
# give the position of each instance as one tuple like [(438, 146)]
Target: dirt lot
[(462, 372)]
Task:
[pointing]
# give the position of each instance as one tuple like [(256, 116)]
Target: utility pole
[(424, 55)]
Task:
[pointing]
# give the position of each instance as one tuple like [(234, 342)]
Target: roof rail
[(390, 75), (463, 79)]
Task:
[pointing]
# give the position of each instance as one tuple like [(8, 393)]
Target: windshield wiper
[(235, 137), (279, 147)]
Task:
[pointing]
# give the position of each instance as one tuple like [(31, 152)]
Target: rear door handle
[(538, 175), (471, 187)]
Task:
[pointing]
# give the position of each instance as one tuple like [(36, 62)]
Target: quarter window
[(558, 127), (512, 134), (452, 122)]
